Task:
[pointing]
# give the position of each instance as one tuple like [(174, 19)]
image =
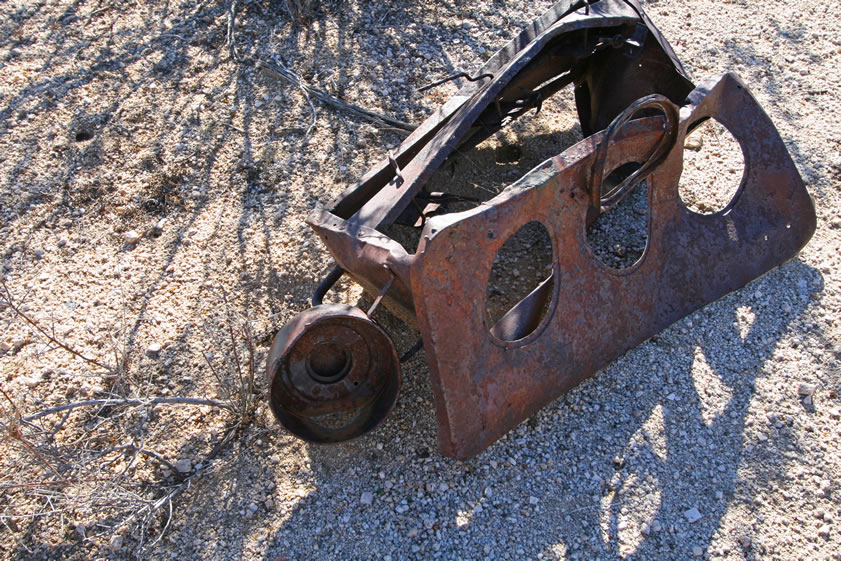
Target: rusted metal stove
[(335, 374)]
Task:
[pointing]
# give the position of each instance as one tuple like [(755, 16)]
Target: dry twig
[(9, 301)]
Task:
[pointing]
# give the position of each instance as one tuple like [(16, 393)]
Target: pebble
[(744, 541), (694, 142), (131, 237), (116, 543), (367, 498), (656, 526), (697, 551), (158, 228), (693, 515), (154, 348), (184, 465), (824, 530), (826, 485), (807, 390)]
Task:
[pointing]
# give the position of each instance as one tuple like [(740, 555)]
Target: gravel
[(149, 186)]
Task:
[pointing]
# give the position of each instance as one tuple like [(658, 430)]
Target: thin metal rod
[(452, 77), (379, 299), (326, 284)]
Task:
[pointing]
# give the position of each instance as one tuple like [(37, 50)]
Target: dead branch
[(400, 127), (7, 297), (125, 402), (14, 432)]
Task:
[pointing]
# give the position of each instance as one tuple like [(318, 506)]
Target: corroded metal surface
[(333, 374), (489, 376), (484, 385)]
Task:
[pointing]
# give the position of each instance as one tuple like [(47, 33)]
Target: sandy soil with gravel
[(152, 203)]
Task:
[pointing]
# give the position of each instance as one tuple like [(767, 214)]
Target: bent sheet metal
[(335, 375)]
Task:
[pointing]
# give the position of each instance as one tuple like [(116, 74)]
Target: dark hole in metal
[(328, 363), (520, 287), (619, 236)]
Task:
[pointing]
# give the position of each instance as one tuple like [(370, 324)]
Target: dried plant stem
[(14, 432), (399, 126), (7, 297), (124, 402)]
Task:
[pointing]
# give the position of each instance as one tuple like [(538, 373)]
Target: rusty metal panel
[(485, 386)]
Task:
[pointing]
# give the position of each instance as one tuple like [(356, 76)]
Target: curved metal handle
[(611, 199), (326, 284)]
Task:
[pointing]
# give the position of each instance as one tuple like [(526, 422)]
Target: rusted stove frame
[(334, 374)]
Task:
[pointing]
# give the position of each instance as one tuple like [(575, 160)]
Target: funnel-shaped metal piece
[(333, 374)]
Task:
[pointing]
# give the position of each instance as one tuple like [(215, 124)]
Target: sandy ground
[(153, 192)]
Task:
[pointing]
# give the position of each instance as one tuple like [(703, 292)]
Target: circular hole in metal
[(713, 167), (328, 363)]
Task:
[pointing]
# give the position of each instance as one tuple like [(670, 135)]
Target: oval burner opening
[(521, 285), (713, 167), (619, 236)]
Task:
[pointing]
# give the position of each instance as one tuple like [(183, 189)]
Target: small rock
[(645, 530), (252, 507), (826, 485), (693, 515), (694, 142), (29, 381), (443, 487), (62, 242), (413, 533), (116, 543), (807, 390), (158, 228), (533, 500), (184, 465), (697, 551), (154, 349), (367, 498), (744, 541), (824, 530), (80, 529), (39, 253), (656, 526), (131, 237)]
